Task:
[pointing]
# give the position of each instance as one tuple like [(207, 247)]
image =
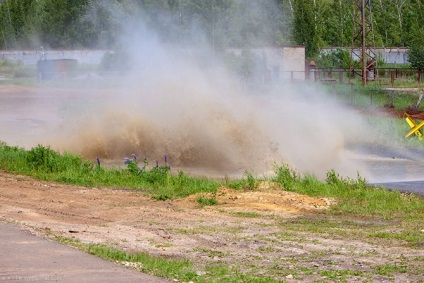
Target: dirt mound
[(267, 199)]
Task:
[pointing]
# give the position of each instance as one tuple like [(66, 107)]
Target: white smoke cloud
[(185, 103)]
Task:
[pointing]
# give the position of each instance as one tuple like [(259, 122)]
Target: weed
[(251, 182), (160, 245), (210, 253), (340, 275), (180, 270), (132, 166), (286, 176), (245, 214), (205, 201), (389, 269)]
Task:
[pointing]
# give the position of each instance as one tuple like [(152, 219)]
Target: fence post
[(311, 69), (393, 98), (392, 78)]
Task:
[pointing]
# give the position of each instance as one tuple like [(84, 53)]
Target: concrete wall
[(390, 55), (30, 57)]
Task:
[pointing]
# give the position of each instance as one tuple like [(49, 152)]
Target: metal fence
[(381, 76)]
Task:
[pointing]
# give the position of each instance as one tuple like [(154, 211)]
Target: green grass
[(409, 81), (245, 214), (46, 164), (354, 196), (17, 74), (373, 96), (178, 269), (205, 201)]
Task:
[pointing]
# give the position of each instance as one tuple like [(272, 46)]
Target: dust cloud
[(184, 103), (198, 113)]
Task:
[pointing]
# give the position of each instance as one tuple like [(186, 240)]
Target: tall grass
[(354, 196), (46, 164)]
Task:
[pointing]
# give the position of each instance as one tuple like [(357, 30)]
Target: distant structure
[(48, 69), (389, 55), (30, 57), (363, 44), (275, 64)]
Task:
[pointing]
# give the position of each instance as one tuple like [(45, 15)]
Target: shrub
[(44, 159), (285, 176)]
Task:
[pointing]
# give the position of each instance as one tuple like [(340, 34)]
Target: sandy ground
[(210, 235)]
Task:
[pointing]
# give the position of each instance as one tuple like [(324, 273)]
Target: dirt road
[(253, 231)]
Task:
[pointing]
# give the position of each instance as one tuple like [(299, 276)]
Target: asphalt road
[(25, 257)]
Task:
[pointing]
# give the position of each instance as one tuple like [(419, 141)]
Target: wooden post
[(393, 98), (392, 78)]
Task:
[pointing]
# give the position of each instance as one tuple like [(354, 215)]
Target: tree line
[(90, 24)]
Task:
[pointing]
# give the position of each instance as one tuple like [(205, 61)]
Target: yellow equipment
[(415, 128)]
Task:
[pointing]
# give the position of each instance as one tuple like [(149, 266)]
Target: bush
[(286, 176), (43, 159)]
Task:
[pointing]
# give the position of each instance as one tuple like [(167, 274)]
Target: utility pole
[(363, 59)]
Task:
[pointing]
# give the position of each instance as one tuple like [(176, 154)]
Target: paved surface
[(25, 257)]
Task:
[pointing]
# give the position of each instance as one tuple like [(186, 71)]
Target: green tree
[(336, 24), (214, 16), (258, 24), (304, 32), (13, 15), (416, 50)]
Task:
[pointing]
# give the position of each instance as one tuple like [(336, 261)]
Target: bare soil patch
[(264, 242), (266, 200)]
